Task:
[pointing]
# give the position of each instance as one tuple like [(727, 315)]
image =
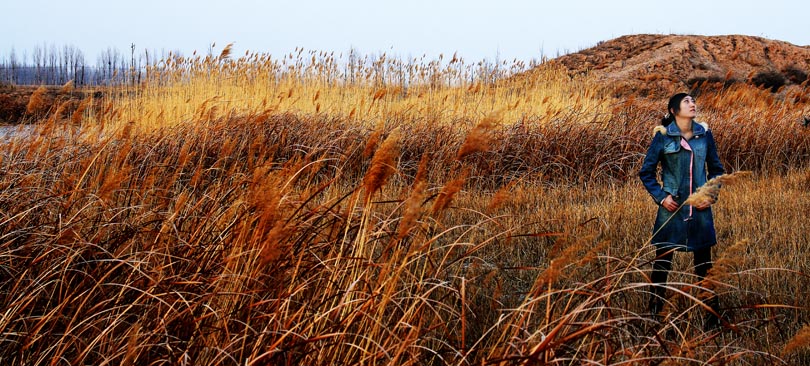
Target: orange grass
[(178, 225)]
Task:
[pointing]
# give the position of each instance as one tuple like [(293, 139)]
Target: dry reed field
[(302, 211)]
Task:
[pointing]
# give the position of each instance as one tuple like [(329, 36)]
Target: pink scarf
[(686, 146)]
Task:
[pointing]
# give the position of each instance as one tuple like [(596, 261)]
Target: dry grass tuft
[(799, 341), (501, 196), (480, 137), (732, 256), (383, 164), (67, 88), (226, 52), (373, 140), (414, 204), (445, 196), (78, 114), (37, 101)]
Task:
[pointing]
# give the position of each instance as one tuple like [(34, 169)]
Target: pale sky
[(475, 29)]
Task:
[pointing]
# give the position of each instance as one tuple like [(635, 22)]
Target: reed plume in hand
[(708, 192)]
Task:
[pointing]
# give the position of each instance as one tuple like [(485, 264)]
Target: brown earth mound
[(14, 102), (657, 65)]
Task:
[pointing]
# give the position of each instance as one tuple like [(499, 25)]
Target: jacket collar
[(697, 129)]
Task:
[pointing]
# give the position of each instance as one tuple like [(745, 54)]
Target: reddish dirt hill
[(14, 101), (660, 64)]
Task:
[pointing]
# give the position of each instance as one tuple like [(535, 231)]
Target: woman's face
[(688, 107)]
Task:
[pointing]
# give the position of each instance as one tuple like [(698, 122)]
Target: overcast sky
[(476, 29)]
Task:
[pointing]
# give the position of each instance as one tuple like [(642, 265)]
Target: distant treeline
[(52, 65), (57, 65)]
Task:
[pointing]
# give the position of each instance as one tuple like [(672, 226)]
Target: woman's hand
[(703, 205), (669, 204)]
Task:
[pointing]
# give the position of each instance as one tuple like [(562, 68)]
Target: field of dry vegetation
[(303, 211)]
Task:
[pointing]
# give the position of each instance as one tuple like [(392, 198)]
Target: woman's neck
[(684, 124)]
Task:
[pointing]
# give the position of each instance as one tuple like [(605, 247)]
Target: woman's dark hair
[(673, 107)]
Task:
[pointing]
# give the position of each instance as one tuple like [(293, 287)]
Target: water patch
[(8, 132)]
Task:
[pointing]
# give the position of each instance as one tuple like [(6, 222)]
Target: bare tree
[(132, 63), (108, 63), (38, 58), (11, 67), (53, 64), (4, 70), (26, 69), (77, 61)]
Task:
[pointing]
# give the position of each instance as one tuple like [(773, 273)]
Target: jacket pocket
[(699, 148), (672, 147), (670, 165)]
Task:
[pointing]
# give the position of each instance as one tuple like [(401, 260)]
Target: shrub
[(769, 79), (698, 84), (795, 74), (12, 108)]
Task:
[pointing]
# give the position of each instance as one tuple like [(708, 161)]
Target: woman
[(688, 157)]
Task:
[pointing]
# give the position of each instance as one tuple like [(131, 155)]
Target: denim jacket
[(691, 229)]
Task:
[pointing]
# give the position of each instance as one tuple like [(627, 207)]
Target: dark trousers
[(663, 264)]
